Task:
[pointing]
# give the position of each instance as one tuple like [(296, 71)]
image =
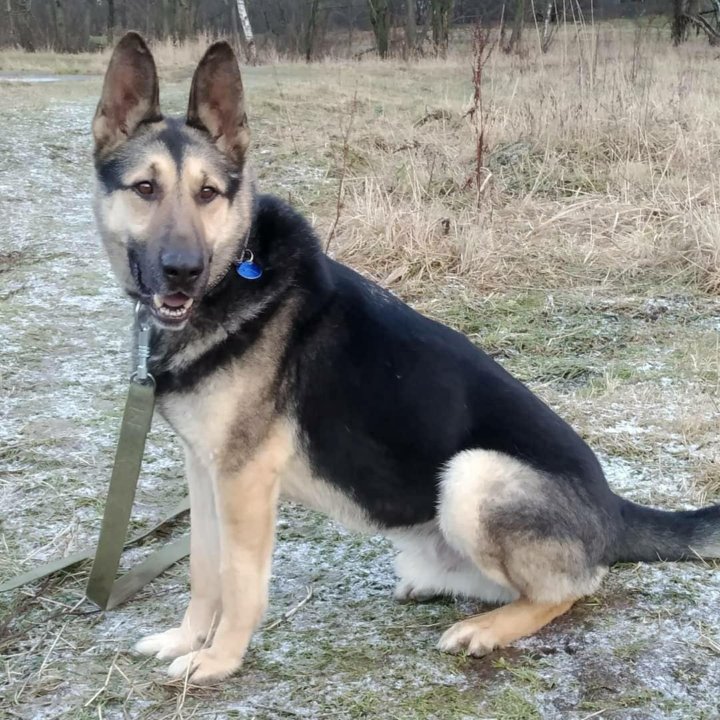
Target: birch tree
[(250, 49)]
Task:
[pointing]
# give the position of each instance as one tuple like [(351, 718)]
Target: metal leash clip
[(141, 374)]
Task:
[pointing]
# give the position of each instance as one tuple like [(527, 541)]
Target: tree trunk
[(547, 28), (380, 19), (518, 25), (61, 44), (24, 24), (250, 50), (110, 21), (441, 10), (165, 19), (87, 25), (311, 28), (501, 40), (11, 21), (682, 12), (185, 11), (234, 27), (410, 28), (181, 10)]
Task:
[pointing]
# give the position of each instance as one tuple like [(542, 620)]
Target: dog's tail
[(647, 534)]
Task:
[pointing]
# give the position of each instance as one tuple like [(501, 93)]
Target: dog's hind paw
[(406, 592), (168, 645), (203, 667)]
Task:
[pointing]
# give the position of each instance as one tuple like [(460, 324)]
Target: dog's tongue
[(175, 300)]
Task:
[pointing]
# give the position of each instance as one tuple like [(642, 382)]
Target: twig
[(291, 126), (482, 49), (292, 611), (105, 684), (341, 185), (595, 714)]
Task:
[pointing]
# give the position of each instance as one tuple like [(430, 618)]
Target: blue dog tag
[(248, 268)]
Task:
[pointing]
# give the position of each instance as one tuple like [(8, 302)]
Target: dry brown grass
[(601, 156), (603, 171)]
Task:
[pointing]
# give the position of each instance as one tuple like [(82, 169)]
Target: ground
[(587, 266)]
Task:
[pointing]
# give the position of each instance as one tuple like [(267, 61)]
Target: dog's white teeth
[(172, 312)]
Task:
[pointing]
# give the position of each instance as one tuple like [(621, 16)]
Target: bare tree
[(441, 10), (110, 21), (11, 22), (23, 23), (311, 29), (380, 21), (687, 13), (250, 49), (61, 39), (410, 28), (518, 25), (549, 25)]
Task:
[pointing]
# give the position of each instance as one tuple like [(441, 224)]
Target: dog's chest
[(217, 410)]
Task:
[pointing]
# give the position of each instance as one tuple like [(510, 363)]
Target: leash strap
[(121, 493), (102, 588), (81, 555)]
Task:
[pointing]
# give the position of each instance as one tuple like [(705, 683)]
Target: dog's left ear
[(217, 104), (130, 95)]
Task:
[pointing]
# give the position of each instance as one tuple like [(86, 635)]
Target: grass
[(590, 270)]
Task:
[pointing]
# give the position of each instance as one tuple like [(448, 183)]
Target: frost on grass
[(637, 377)]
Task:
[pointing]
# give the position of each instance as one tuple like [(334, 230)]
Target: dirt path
[(647, 646)]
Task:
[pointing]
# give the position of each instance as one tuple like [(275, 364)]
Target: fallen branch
[(292, 611)]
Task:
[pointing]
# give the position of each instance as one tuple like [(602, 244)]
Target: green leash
[(103, 588)]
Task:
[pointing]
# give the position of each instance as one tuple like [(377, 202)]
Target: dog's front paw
[(170, 644), (204, 667), (471, 636)]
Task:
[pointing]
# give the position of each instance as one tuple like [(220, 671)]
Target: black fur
[(384, 397)]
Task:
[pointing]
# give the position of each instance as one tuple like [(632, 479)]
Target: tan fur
[(123, 215), (237, 450), (481, 634), (203, 612), (299, 484), (545, 570), (246, 502)]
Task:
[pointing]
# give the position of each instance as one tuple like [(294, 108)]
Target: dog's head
[(174, 197)]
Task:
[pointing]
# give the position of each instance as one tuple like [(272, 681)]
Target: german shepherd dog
[(287, 374)]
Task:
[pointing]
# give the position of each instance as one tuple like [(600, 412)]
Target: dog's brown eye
[(144, 188), (207, 193)]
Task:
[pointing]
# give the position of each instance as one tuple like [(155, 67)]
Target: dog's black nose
[(182, 266)]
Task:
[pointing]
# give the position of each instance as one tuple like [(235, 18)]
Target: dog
[(287, 374)]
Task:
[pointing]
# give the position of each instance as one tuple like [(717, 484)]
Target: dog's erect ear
[(217, 104), (130, 95)]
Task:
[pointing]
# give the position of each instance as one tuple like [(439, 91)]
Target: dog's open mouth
[(172, 309)]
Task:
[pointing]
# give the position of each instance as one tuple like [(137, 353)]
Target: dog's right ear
[(130, 95)]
